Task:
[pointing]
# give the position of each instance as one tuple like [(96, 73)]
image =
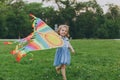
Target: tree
[(17, 20), (86, 19), (113, 21), (4, 9)]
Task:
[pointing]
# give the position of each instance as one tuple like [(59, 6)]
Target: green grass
[(94, 60)]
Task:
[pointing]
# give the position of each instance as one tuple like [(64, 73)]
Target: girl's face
[(63, 31)]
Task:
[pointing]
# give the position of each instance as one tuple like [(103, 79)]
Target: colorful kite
[(42, 37)]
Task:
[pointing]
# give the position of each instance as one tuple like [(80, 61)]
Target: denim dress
[(62, 55)]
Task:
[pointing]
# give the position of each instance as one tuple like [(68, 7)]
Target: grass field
[(94, 60)]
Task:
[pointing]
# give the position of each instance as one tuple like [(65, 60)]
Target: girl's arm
[(71, 48)]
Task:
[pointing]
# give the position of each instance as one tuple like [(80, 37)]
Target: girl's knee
[(63, 66)]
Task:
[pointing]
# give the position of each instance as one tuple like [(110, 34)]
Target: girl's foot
[(64, 78), (58, 70)]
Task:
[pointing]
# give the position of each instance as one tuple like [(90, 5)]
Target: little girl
[(62, 56)]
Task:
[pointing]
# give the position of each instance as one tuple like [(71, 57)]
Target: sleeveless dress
[(62, 55)]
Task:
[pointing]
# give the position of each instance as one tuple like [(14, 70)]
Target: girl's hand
[(73, 51)]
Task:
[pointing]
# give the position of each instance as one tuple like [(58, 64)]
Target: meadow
[(93, 60)]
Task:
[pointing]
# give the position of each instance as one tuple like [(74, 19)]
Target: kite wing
[(43, 37)]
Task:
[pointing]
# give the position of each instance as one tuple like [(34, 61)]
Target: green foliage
[(94, 60), (91, 23)]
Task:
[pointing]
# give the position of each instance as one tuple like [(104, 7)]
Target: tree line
[(86, 19)]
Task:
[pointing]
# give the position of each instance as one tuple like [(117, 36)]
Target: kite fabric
[(42, 37)]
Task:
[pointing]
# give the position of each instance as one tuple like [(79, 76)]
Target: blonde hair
[(63, 26)]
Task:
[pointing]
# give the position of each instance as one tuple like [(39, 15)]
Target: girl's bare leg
[(58, 69), (63, 70)]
